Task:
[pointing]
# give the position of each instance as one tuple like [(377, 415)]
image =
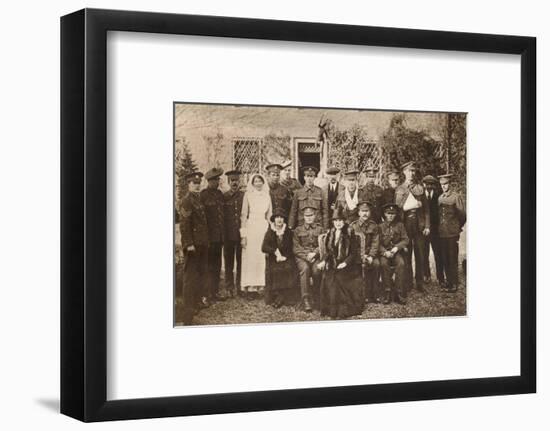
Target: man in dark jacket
[(232, 251), (373, 193), (452, 217), (281, 197), (194, 241), (332, 189), (432, 192), (213, 201), (412, 202)]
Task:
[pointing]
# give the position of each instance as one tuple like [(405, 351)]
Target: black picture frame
[(84, 214)]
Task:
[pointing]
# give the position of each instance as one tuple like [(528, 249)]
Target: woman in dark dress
[(280, 271), (341, 289)]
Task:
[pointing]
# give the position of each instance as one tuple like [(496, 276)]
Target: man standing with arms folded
[(232, 251), (411, 199), (306, 252), (213, 201), (308, 196)]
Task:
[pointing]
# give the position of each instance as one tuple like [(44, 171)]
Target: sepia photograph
[(295, 214)]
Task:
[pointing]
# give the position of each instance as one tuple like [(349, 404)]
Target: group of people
[(332, 248)]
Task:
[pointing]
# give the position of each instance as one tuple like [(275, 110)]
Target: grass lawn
[(433, 303)]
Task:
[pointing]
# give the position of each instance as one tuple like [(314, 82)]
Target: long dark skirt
[(342, 293), (280, 286)]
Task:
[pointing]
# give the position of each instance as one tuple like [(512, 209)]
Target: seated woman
[(280, 271), (341, 288)]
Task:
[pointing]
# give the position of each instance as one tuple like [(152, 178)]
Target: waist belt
[(411, 213)]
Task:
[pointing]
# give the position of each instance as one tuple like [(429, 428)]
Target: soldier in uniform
[(213, 201), (233, 202), (194, 241), (367, 227), (388, 195), (393, 242), (431, 187), (308, 196), (332, 189), (292, 184), (306, 253), (373, 193), (349, 198), (280, 195), (452, 216), (411, 199)]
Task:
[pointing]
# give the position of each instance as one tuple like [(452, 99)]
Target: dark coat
[(213, 202), (341, 289), (279, 275), (193, 225), (331, 197)]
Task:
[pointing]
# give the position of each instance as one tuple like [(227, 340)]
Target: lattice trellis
[(247, 154)]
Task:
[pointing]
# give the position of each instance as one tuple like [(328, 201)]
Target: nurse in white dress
[(255, 214)]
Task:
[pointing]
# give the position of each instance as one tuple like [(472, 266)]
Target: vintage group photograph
[(292, 214)]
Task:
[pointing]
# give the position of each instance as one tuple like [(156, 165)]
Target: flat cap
[(213, 173), (429, 179), (351, 173), (333, 170)]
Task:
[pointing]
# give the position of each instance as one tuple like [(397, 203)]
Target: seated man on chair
[(393, 243), (306, 252)]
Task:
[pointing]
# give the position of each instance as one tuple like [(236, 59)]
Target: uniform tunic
[(306, 241), (281, 198), (371, 234), (213, 202), (308, 197), (452, 216), (193, 232), (393, 235), (233, 202)]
